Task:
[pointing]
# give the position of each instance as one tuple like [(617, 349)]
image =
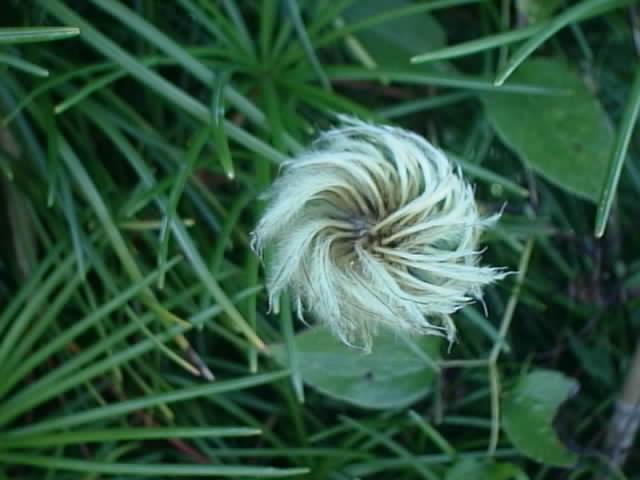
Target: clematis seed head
[(371, 227)]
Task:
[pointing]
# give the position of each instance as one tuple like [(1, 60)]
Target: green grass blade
[(570, 15), (198, 15), (223, 240), (298, 24), (467, 82), (160, 85), (218, 112), (183, 57), (621, 146), (40, 355), (28, 289), (9, 36), (430, 432), (50, 84), (125, 407), (120, 434), (388, 15), (486, 175), (474, 46), (148, 470), (267, 24), (20, 324), (5, 167), (186, 169), (185, 241), (109, 49), (286, 322), (89, 88), (75, 371), (422, 104), (68, 375), (78, 237), (19, 353), (240, 26), (23, 65), (384, 439)]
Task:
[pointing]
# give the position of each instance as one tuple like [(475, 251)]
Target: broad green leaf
[(566, 138), (398, 372), (469, 468), (481, 469), (392, 43), (537, 10), (528, 416)]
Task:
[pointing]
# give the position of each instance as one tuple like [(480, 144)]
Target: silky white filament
[(374, 226)]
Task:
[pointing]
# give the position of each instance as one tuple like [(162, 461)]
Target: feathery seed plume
[(374, 226)]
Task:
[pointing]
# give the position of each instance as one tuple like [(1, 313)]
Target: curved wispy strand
[(374, 226)]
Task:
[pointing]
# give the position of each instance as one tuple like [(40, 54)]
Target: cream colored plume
[(373, 226)]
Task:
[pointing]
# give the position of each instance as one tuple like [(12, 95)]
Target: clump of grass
[(133, 152)]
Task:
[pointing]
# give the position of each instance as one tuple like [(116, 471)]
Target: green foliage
[(134, 150), (484, 470), (566, 138), (538, 10), (529, 412), (398, 373), (392, 42)]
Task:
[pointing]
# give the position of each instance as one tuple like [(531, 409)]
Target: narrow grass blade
[(474, 46), (157, 83), (28, 289), (186, 169), (20, 353), (570, 15), (22, 237), (21, 323), (185, 241), (91, 193), (618, 155), (267, 24), (79, 369), (70, 374), (175, 51), (393, 446), (286, 324), (48, 349), (5, 167), (198, 15), (78, 237), (298, 23), (346, 72), (371, 467), (432, 433), (240, 25), (505, 323), (120, 434), (325, 100), (49, 84), (422, 104), (486, 175), (148, 470), (12, 36), (388, 15), (217, 113), (88, 89), (23, 65), (123, 408), (223, 240)]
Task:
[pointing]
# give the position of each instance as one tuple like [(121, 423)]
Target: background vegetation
[(133, 151)]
